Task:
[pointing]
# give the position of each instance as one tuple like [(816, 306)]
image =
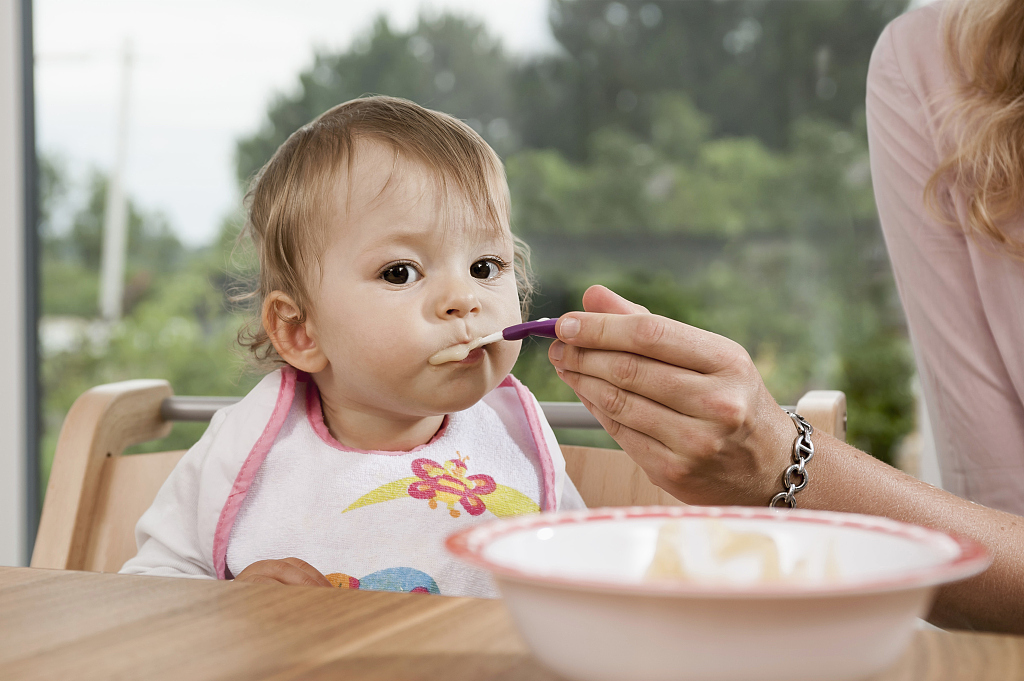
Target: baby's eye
[(402, 273), (485, 269)]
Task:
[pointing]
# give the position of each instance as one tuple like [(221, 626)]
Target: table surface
[(58, 624)]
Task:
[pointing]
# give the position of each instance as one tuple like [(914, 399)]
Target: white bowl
[(843, 605)]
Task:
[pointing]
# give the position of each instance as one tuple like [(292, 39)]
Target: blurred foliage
[(706, 159), (177, 325), (675, 179), (71, 260), (754, 65)]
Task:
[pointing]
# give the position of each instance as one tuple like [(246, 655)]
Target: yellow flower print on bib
[(449, 484)]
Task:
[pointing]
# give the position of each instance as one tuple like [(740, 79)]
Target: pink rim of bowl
[(471, 543)]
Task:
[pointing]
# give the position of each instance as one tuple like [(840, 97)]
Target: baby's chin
[(462, 395), (460, 401)]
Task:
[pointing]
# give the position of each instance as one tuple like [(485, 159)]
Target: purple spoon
[(541, 327)]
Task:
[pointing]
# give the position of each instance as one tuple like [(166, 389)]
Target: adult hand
[(686, 404), (287, 571)]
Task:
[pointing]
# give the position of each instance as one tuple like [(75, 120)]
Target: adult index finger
[(650, 335)]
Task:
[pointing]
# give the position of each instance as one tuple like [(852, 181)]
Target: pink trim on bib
[(315, 416), (247, 474), (547, 469)]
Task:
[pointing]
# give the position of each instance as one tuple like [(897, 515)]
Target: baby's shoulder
[(235, 430)]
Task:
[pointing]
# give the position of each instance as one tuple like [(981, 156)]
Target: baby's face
[(402, 280)]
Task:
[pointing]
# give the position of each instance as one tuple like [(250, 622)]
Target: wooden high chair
[(95, 495)]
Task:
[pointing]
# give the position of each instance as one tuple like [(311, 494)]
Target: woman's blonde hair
[(292, 198), (985, 53)]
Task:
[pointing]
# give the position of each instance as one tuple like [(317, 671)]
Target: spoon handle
[(541, 327)]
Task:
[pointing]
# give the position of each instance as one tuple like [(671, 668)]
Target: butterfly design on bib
[(448, 484)]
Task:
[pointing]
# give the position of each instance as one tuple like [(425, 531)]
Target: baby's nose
[(459, 302), (462, 308)]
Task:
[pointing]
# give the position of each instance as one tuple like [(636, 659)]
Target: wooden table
[(81, 625)]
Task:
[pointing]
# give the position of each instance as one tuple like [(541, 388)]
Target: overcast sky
[(204, 73)]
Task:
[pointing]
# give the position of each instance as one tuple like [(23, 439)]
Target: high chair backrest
[(95, 495)]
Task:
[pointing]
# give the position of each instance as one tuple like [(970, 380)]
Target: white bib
[(378, 520)]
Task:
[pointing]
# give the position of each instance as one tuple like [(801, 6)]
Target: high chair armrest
[(825, 410), (102, 423)]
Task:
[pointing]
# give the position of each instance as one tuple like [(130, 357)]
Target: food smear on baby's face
[(456, 353), (711, 551)]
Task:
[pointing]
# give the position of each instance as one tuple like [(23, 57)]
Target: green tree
[(448, 62), (755, 66)]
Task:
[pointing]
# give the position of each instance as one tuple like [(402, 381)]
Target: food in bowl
[(708, 550), (716, 594)]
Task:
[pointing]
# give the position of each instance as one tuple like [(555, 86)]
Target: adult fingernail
[(556, 351), (568, 327)]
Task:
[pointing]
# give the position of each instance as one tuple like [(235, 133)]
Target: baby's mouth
[(459, 352)]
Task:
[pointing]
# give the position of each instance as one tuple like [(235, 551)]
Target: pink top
[(964, 300)]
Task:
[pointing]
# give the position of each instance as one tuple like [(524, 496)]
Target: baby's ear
[(294, 340)]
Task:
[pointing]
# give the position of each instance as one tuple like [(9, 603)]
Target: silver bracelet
[(803, 451)]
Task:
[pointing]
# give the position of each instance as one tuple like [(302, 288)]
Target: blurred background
[(706, 158)]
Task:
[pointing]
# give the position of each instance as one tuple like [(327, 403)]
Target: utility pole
[(115, 215)]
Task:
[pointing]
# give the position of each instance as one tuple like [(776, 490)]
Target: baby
[(382, 230)]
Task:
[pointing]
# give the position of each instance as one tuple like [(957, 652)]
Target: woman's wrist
[(739, 472), (774, 451), (796, 476)]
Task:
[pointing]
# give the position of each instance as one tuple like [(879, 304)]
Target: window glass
[(706, 158)]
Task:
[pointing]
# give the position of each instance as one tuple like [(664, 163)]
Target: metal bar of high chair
[(180, 408)]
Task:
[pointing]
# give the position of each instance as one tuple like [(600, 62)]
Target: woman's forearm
[(846, 479)]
